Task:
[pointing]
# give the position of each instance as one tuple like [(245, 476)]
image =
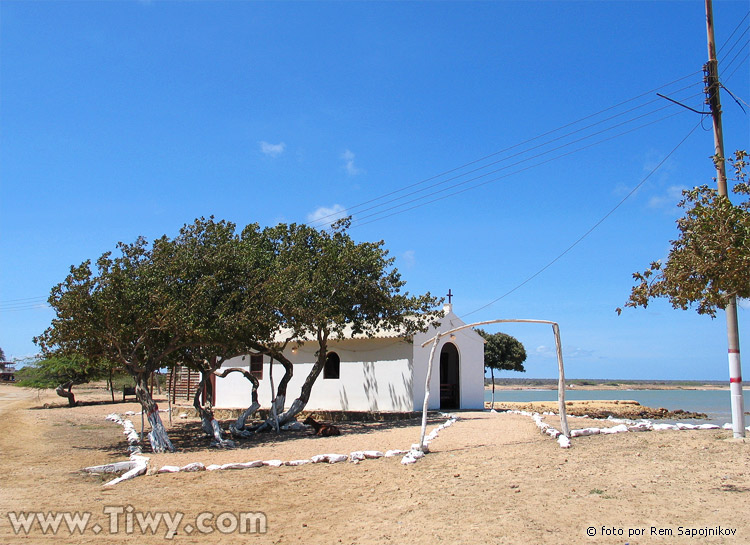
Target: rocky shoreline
[(602, 409)]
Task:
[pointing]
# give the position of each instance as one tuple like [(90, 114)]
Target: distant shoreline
[(606, 384)]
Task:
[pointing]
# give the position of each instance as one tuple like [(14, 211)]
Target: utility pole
[(733, 337)]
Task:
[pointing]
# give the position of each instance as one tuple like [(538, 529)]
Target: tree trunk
[(298, 405), (158, 435), (209, 424), (238, 428), (64, 391), (274, 411), (492, 373)]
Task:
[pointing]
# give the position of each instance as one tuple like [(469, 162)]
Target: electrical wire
[(358, 220), (326, 219), (733, 32), (591, 230), (527, 150), (739, 52), (358, 224)]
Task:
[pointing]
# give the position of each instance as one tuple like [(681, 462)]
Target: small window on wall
[(256, 365), (333, 364)]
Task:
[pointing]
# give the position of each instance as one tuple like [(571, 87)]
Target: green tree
[(2, 355), (222, 301), (326, 286), (710, 260), (502, 352), (62, 372), (123, 313)]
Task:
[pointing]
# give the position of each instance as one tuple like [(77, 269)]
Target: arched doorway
[(450, 391)]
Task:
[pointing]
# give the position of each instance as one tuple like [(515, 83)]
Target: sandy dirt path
[(490, 479)]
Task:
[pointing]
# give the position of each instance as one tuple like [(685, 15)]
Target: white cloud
[(669, 199), (272, 150), (323, 216), (349, 166), (409, 258)]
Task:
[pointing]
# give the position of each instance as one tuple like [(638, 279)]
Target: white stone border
[(623, 425), (138, 464)]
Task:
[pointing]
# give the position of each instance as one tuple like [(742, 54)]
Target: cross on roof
[(450, 296)]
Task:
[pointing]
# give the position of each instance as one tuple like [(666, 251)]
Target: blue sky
[(121, 119)]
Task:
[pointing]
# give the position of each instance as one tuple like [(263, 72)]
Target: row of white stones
[(623, 425), (410, 456), (138, 464)]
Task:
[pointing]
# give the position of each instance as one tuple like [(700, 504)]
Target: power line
[(325, 219), (594, 227), (739, 52), (527, 150), (23, 299), (733, 32), (355, 223), (358, 221)]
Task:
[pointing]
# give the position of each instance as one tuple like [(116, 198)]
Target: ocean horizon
[(714, 403)]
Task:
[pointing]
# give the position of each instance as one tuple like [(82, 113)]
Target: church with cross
[(384, 372)]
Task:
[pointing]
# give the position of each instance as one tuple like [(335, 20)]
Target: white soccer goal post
[(560, 384)]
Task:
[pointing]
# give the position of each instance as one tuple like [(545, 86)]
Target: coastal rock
[(628, 409)]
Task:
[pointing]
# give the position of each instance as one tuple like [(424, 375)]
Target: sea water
[(715, 403)]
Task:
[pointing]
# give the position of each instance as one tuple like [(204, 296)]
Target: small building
[(383, 372), (7, 371)]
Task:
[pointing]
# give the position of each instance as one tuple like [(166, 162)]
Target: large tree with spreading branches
[(328, 286), (209, 294)]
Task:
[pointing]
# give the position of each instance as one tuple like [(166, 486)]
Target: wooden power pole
[(733, 336)]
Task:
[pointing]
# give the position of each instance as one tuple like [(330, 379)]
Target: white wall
[(375, 374), (470, 347), (364, 384)]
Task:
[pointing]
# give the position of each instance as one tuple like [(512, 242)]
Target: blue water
[(715, 403)]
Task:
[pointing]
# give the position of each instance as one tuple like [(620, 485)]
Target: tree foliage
[(327, 286), (503, 352), (210, 294), (710, 260), (62, 372)]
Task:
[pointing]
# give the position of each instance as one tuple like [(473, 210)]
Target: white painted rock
[(273, 463), (330, 458), (615, 429), (298, 462), (195, 466), (585, 431), (371, 454), (168, 469), (663, 427), (117, 467), (683, 426)]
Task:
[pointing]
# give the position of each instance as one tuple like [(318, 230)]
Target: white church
[(384, 372)]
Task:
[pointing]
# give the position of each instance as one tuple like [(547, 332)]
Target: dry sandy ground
[(490, 479)]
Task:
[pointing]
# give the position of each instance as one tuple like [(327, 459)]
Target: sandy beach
[(490, 478)]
